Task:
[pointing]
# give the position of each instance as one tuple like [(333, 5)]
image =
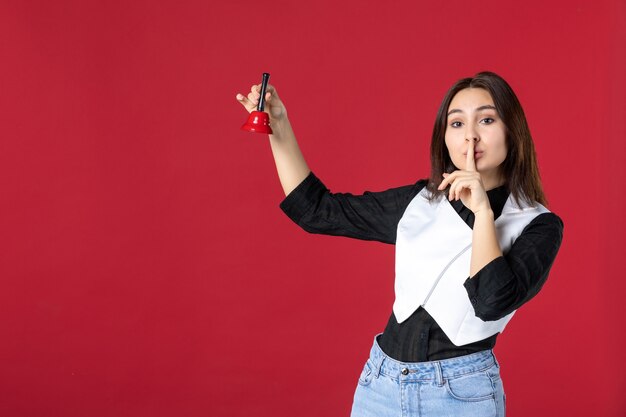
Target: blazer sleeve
[(370, 216), (509, 281)]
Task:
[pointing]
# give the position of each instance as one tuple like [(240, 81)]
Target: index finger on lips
[(470, 163)]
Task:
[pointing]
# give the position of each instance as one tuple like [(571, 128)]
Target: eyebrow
[(485, 107)]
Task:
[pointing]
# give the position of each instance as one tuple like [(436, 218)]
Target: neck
[(493, 181)]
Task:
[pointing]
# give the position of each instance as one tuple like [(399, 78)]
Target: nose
[(471, 134)]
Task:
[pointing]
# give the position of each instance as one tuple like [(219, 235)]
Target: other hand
[(273, 105)]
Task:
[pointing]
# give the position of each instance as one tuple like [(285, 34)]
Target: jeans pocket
[(477, 386), (366, 374)]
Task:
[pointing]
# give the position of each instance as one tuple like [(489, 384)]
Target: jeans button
[(405, 371)]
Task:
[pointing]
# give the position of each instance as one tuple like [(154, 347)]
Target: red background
[(146, 269)]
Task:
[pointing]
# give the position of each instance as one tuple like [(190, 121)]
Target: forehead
[(470, 99)]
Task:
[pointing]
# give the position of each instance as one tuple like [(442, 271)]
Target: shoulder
[(544, 235), (402, 195), (395, 194), (420, 186), (538, 225), (541, 215), (415, 187), (549, 218), (547, 221)]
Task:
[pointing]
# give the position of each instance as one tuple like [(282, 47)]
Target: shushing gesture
[(467, 184)]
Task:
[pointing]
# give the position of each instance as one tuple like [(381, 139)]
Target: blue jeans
[(464, 386)]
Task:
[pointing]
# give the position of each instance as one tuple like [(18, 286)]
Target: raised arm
[(290, 163)]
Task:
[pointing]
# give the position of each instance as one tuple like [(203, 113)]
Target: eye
[(455, 124), (487, 120)]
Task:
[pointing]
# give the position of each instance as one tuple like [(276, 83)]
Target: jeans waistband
[(434, 370)]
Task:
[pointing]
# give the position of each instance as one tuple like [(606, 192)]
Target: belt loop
[(493, 355), (438, 374), (379, 365)]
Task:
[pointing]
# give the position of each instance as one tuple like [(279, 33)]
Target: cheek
[(504, 149), (502, 138), (455, 143), (454, 152), (449, 141)]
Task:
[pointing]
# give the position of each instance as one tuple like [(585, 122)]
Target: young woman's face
[(473, 116)]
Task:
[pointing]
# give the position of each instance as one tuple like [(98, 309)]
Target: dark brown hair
[(520, 166)]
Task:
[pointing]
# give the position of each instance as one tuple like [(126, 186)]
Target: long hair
[(520, 166)]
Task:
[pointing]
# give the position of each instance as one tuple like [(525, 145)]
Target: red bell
[(259, 121)]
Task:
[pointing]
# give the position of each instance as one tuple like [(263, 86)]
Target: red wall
[(145, 267)]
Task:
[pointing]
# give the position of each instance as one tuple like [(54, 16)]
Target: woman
[(473, 243)]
